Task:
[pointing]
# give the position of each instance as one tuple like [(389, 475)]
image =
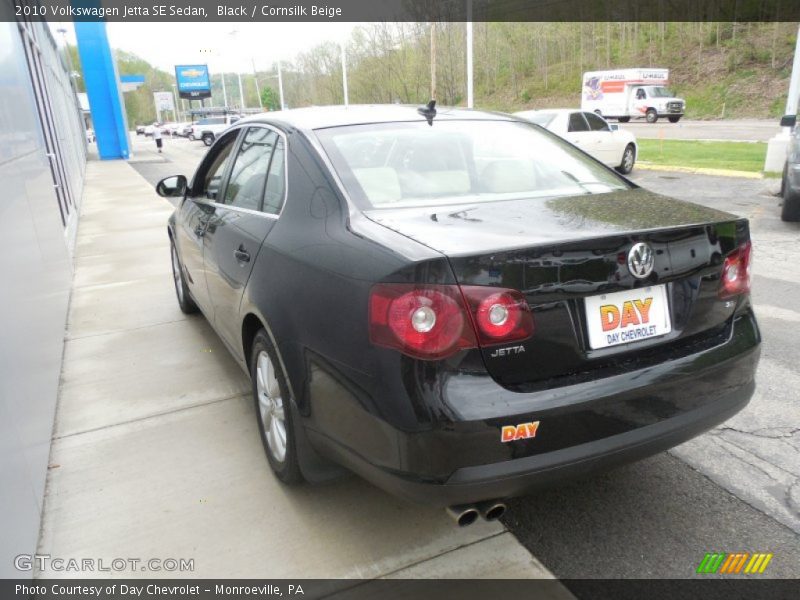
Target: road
[(749, 130), (736, 488)]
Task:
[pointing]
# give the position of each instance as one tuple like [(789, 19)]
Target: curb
[(701, 171)]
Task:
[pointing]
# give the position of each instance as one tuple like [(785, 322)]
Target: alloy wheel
[(270, 406)]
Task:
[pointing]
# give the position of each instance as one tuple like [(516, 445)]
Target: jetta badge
[(641, 260)]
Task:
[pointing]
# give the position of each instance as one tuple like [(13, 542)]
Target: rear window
[(452, 162), (540, 118)]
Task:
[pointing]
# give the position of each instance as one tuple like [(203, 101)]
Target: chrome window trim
[(250, 211)]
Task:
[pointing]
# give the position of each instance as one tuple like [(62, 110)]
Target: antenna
[(428, 111)]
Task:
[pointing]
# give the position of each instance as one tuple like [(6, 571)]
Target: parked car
[(149, 130), (591, 133), (140, 130), (458, 307), (209, 128), (790, 183)]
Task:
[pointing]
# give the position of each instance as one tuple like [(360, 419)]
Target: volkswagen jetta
[(458, 306)]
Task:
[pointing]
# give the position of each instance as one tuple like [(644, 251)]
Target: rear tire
[(674, 119), (273, 410), (651, 115), (623, 119), (628, 160), (791, 204), (185, 300)]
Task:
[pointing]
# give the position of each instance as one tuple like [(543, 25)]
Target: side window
[(245, 187), (276, 184), (577, 123), (212, 178), (640, 95), (596, 123)]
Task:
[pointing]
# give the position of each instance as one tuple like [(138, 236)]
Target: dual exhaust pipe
[(467, 514)]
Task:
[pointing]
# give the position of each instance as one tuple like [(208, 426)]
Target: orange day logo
[(633, 312)]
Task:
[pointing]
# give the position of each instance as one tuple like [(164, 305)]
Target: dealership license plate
[(629, 316)]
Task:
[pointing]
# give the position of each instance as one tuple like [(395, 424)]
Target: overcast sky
[(167, 44)]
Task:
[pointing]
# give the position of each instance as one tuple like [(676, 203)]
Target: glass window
[(596, 123), (245, 187), (212, 179), (540, 118), (452, 162), (273, 194), (640, 95), (577, 123)]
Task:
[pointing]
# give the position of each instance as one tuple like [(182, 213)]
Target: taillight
[(432, 321), (422, 321), (735, 278), (500, 315)]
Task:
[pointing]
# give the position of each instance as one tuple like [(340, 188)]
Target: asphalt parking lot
[(745, 130), (736, 488)]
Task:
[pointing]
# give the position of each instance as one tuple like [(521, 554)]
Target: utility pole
[(255, 79), (280, 86), (224, 91), (344, 75), (433, 61), (470, 98), (175, 99)]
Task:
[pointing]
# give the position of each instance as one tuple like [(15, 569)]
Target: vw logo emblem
[(641, 260)]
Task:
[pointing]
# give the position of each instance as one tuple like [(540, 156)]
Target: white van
[(626, 94)]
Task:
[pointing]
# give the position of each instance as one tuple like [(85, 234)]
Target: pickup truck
[(209, 128)]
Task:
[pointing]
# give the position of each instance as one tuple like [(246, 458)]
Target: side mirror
[(172, 187), (788, 120), (614, 127)]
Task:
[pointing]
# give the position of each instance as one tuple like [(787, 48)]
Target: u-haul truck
[(626, 94)]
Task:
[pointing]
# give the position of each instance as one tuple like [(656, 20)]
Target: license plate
[(629, 316)]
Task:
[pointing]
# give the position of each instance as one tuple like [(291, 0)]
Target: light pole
[(255, 80), (280, 86), (470, 98), (234, 33), (344, 75), (213, 54)]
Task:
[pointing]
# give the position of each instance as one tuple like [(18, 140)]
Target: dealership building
[(43, 152)]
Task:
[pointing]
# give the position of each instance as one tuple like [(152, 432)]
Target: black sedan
[(458, 306)]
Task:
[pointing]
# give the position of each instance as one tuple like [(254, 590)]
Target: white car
[(591, 133)]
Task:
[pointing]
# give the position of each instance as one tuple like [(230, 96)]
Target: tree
[(270, 99)]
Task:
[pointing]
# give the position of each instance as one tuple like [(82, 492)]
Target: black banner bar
[(198, 11), (734, 588)]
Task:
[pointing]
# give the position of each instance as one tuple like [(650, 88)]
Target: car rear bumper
[(582, 428)]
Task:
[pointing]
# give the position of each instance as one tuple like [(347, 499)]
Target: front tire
[(628, 160), (273, 411), (791, 203), (651, 115), (674, 119), (208, 140), (185, 300)]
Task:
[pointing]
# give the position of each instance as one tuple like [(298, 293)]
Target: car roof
[(320, 117), (550, 110)]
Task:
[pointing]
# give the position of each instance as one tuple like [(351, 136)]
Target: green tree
[(270, 99)]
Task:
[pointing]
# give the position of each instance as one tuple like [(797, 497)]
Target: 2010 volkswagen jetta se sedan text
[(458, 305)]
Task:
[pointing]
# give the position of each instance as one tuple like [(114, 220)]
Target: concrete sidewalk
[(156, 453)]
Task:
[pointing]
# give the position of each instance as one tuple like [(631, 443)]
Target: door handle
[(241, 254)]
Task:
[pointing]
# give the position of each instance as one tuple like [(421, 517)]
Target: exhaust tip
[(463, 515), (491, 511)]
